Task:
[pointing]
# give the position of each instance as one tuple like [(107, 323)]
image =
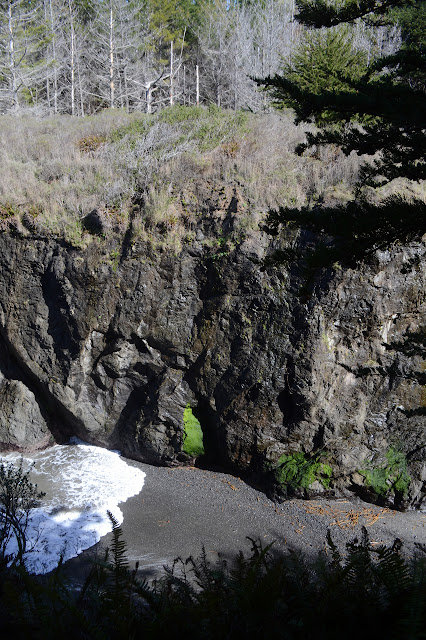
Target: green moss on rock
[(192, 434), (297, 470), (391, 477)]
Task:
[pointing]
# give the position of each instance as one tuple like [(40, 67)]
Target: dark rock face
[(113, 351), (22, 426)]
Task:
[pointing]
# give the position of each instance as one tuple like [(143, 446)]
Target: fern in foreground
[(364, 592)]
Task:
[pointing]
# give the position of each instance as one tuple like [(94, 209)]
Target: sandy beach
[(181, 509)]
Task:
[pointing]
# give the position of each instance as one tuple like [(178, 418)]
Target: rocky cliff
[(110, 343)]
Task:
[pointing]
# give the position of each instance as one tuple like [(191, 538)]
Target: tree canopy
[(376, 109)]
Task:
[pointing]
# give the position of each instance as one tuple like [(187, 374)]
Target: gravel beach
[(181, 509)]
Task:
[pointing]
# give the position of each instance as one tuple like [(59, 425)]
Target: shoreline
[(182, 509)]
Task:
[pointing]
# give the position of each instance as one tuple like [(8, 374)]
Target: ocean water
[(82, 483)]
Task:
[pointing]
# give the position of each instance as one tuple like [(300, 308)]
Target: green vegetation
[(281, 595), (387, 96), (296, 470), (181, 113), (389, 478), (202, 129), (18, 497), (325, 61), (290, 596), (192, 434), (374, 110)]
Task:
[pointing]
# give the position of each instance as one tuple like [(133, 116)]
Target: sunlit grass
[(58, 169)]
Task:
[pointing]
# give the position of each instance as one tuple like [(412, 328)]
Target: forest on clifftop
[(80, 56)]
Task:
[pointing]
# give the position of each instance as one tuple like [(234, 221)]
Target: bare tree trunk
[(126, 88), (13, 78), (197, 86), (73, 73), (72, 60), (120, 85), (291, 30), (171, 73), (49, 106), (184, 85), (148, 98), (111, 57), (235, 87), (80, 88), (55, 69)]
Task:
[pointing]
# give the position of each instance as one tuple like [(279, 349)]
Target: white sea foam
[(82, 483)]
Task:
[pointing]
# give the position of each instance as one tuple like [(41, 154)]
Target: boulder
[(22, 427)]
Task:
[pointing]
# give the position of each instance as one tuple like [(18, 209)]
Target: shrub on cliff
[(165, 172), (390, 477), (298, 471)]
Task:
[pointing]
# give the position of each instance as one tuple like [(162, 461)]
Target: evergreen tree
[(23, 36), (387, 98), (378, 110), (169, 21), (325, 61)]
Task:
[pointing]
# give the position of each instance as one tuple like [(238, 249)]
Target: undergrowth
[(55, 171), (368, 591)]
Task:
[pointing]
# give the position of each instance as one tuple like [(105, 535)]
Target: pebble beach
[(180, 510)]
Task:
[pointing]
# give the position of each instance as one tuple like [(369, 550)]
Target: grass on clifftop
[(159, 169)]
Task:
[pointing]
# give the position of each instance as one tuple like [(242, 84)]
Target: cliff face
[(111, 344)]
